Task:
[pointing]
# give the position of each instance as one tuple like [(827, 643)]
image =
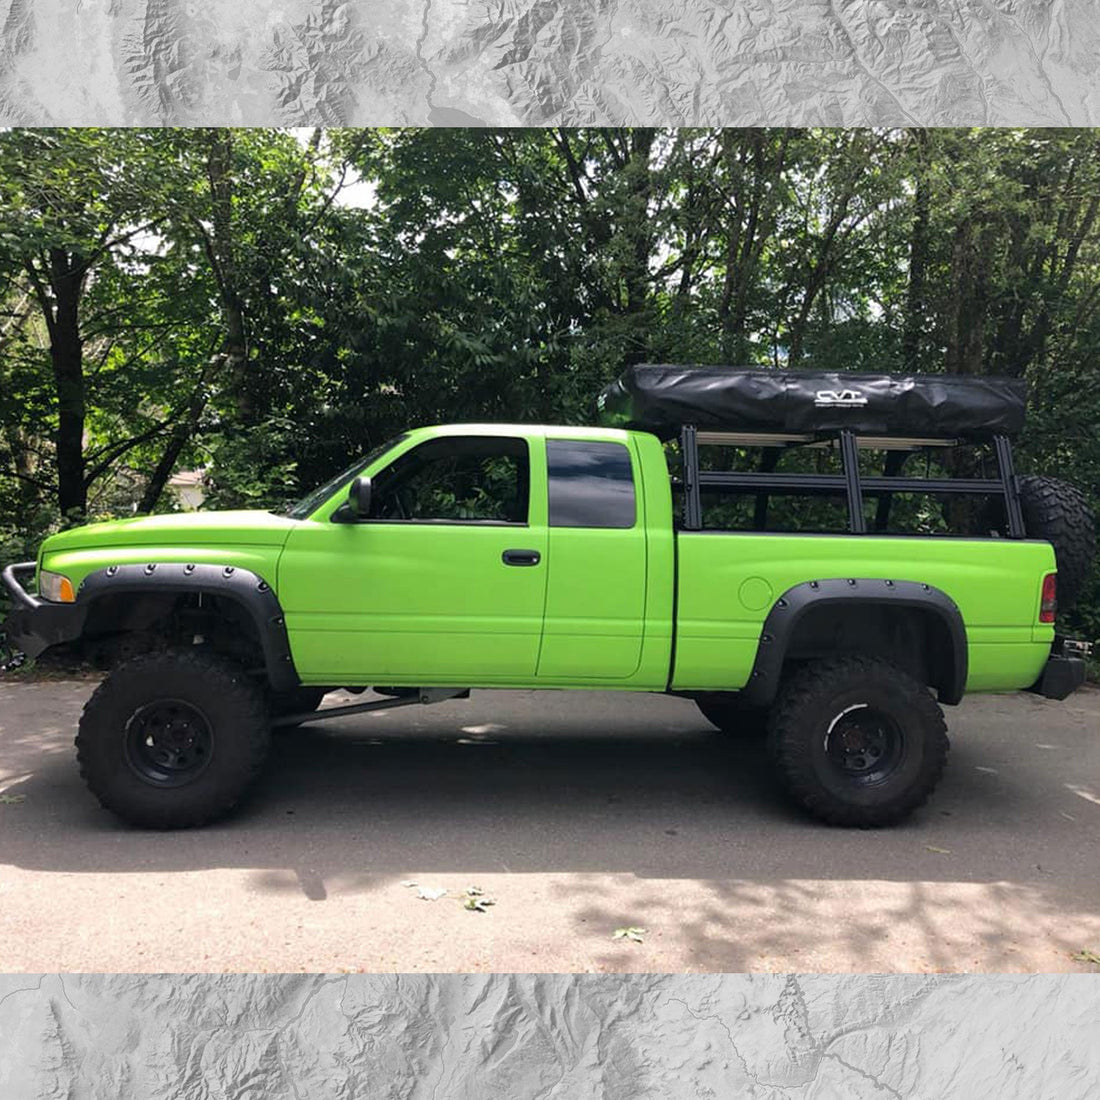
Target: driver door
[(443, 583)]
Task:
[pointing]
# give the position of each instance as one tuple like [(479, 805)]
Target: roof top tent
[(778, 410)]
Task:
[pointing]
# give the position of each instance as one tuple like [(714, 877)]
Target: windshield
[(312, 501)]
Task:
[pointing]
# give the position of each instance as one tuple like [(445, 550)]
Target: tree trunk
[(754, 164), (640, 243), (798, 329), (817, 277), (221, 251), (154, 487), (181, 435), (66, 273), (970, 258), (916, 304), (727, 318)]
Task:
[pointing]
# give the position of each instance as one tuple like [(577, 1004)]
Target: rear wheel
[(857, 742), (173, 739), (728, 712)]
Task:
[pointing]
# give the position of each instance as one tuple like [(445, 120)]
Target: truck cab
[(492, 555)]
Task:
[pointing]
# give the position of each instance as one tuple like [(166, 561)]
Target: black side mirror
[(359, 496)]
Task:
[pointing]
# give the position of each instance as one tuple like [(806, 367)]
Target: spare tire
[(1056, 511)]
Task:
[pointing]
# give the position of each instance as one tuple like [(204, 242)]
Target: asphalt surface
[(579, 814)]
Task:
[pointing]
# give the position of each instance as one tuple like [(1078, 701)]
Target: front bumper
[(1065, 669), (33, 624)]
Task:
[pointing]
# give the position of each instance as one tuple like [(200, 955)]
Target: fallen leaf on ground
[(1086, 956), (633, 934), (431, 893), (478, 905), (942, 851), (12, 799)]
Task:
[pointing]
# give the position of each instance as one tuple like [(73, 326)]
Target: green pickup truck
[(673, 554)]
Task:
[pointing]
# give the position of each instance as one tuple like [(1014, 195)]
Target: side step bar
[(423, 696)]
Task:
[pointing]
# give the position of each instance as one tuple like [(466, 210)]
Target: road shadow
[(542, 782)]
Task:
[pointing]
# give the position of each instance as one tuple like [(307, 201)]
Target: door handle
[(521, 557)]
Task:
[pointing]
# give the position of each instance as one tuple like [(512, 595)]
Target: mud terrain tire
[(1056, 511), (174, 739), (857, 742)]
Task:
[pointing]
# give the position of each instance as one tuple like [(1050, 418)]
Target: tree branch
[(117, 450), (44, 486), (43, 296), (561, 139)]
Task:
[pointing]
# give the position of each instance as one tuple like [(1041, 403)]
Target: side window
[(460, 479), (591, 484)]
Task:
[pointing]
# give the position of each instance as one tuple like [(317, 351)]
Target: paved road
[(579, 813)]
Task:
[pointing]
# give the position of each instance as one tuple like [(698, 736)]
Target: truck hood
[(238, 528)]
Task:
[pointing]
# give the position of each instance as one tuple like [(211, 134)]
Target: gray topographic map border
[(544, 1036), (549, 62)]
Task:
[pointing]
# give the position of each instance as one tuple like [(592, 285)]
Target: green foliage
[(226, 307)]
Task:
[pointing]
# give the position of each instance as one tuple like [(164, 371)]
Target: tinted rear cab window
[(590, 484)]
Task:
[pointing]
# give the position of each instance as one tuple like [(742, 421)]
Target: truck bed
[(728, 581)]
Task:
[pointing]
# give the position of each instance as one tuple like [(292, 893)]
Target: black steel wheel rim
[(169, 742), (864, 745)]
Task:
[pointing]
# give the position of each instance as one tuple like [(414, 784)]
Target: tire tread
[(1058, 512), (803, 696), (221, 678)]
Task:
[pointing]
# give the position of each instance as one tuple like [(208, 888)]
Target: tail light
[(1048, 605)]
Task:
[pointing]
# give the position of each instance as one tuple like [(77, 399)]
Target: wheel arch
[(916, 624), (108, 595)]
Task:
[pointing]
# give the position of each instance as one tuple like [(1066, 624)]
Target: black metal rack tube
[(693, 505), (849, 453), (849, 484), (874, 485), (1010, 486)]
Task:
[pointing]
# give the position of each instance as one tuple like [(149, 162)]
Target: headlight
[(55, 587)]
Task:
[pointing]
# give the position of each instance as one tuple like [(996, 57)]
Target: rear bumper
[(1065, 670), (33, 624)]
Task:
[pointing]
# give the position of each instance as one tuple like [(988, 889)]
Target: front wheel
[(172, 740), (857, 741)]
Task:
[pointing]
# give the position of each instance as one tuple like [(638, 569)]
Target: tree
[(177, 297), (76, 199)]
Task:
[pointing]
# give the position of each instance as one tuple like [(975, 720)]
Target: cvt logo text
[(842, 398)]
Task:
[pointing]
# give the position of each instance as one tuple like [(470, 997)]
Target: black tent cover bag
[(663, 398)]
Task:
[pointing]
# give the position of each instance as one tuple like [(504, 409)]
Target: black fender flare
[(784, 616), (244, 587)]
